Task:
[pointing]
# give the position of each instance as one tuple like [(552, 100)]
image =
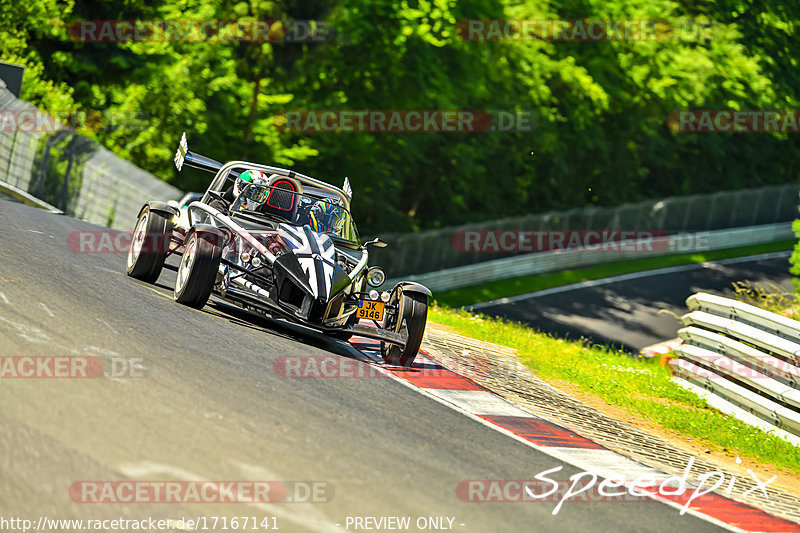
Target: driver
[(324, 216), (233, 192)]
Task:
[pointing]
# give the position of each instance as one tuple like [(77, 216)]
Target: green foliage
[(600, 109)]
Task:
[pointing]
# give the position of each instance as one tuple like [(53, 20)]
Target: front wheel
[(198, 269), (149, 246), (408, 320)]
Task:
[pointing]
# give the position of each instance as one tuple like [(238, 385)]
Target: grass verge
[(640, 386), (537, 282)]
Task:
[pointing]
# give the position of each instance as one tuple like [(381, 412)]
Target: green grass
[(522, 285), (640, 386)]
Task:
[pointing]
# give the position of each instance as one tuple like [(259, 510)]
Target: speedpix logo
[(589, 487)]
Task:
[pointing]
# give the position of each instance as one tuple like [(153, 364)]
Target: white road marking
[(607, 463), (29, 333), (626, 277), (3, 297), (481, 402), (96, 350), (599, 461), (48, 311), (106, 324), (149, 470), (37, 232)]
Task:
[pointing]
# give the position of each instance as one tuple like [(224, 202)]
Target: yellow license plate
[(370, 309)]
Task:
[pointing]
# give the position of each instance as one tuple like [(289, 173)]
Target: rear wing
[(183, 155)]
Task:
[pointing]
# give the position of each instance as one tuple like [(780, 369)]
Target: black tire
[(198, 269), (414, 308), (149, 246)]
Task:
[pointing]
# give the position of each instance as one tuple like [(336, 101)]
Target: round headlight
[(245, 257), (385, 295), (373, 294), (376, 276), (256, 262)]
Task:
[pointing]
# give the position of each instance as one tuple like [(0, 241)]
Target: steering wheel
[(217, 196)]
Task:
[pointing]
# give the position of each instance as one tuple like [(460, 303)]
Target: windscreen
[(322, 214)]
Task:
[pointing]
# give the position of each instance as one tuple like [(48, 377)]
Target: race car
[(281, 244)]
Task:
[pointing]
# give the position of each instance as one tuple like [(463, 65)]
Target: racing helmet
[(247, 177), (324, 216)]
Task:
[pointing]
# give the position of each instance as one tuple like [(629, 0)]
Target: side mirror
[(376, 242)]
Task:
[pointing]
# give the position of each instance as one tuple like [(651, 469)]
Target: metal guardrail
[(742, 354), (540, 262), (433, 250), (27, 199), (73, 173)]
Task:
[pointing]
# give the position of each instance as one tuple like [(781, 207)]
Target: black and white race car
[(285, 247)]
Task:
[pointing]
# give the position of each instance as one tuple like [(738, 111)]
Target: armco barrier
[(433, 250), (540, 262), (74, 173), (743, 354)]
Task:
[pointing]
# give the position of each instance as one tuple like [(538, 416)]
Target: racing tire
[(198, 269), (411, 324), (149, 246)]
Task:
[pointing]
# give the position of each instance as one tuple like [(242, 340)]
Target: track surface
[(211, 407), (638, 312)]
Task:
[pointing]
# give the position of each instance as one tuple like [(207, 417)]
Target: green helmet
[(247, 177)]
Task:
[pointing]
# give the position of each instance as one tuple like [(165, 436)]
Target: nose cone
[(315, 254)]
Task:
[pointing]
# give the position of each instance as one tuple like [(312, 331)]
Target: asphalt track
[(637, 310), (211, 407)]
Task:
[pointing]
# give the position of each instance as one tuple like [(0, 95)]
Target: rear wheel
[(149, 246), (198, 269), (408, 320)]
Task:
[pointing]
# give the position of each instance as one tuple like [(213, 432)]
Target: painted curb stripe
[(428, 376), (462, 393), (425, 372), (482, 402), (542, 432), (731, 512), (608, 464)]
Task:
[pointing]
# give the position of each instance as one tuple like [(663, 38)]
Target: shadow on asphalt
[(633, 314)]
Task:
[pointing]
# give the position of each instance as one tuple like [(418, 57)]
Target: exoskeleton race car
[(282, 244)]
